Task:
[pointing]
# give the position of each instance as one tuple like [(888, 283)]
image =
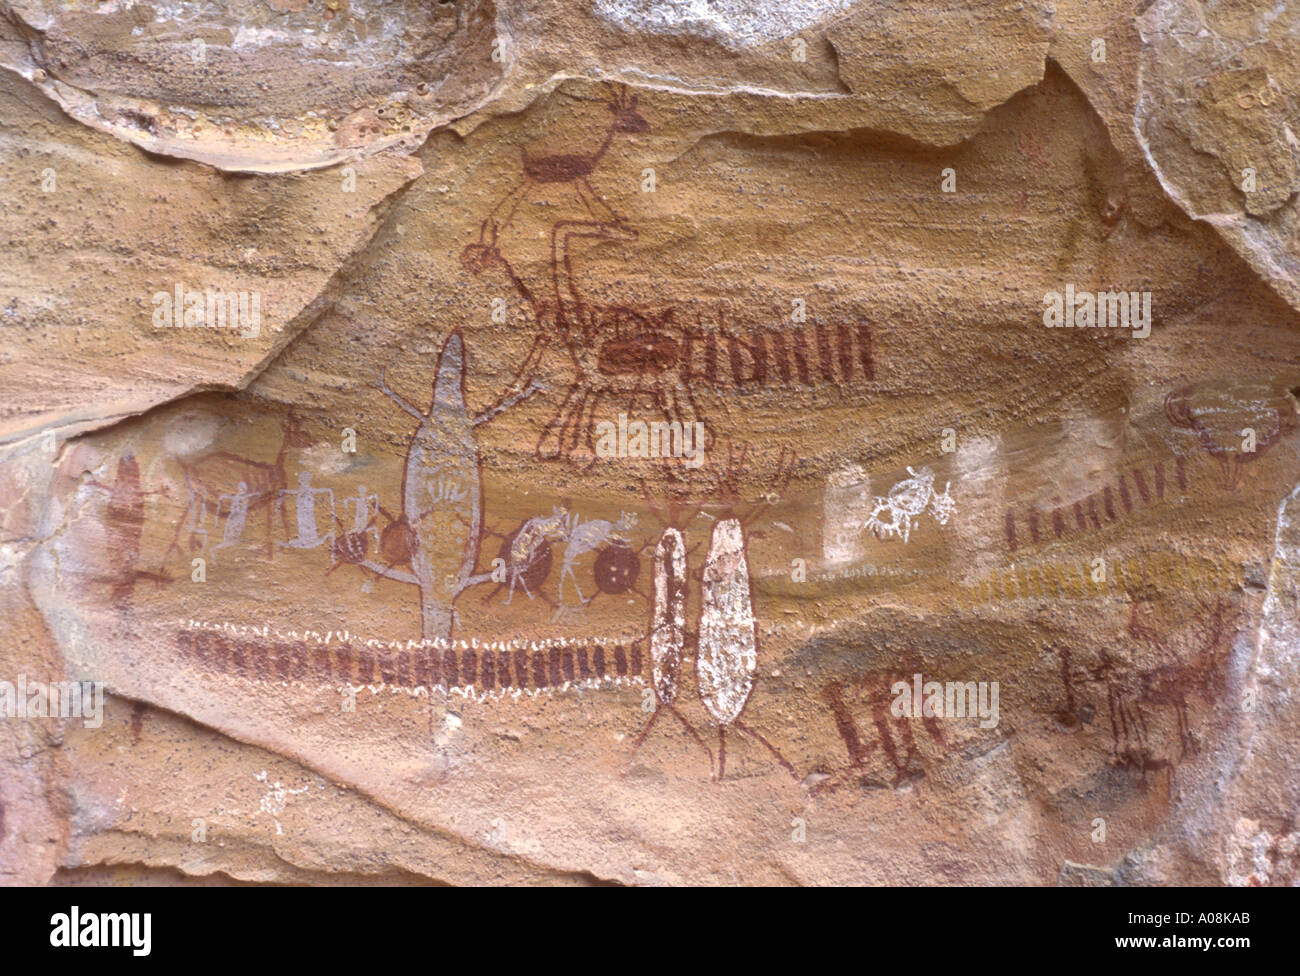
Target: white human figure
[(276, 798), (196, 517), (236, 517), (305, 505), (365, 509)]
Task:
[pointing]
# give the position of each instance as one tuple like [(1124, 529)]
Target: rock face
[(649, 442)]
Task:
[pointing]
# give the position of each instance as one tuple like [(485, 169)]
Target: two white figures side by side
[(726, 643), (906, 502)]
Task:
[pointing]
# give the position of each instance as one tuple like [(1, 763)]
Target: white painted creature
[(442, 492), (726, 661), (236, 517), (526, 546), (276, 798), (668, 616), (304, 496), (585, 537), (668, 635), (906, 502), (728, 642)]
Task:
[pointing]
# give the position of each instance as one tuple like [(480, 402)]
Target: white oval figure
[(728, 652), (726, 658), (668, 634), (668, 623)]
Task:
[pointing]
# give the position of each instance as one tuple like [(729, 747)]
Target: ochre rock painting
[(839, 443)]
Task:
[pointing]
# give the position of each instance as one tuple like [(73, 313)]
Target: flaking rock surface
[(649, 442)]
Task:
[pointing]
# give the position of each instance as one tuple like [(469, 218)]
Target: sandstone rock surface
[(633, 449)]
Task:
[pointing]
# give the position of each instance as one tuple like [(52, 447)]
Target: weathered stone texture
[(377, 580)]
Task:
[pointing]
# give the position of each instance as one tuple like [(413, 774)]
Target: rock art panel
[(652, 425)]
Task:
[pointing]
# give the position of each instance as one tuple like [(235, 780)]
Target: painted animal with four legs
[(618, 352), (905, 503), (585, 537), (224, 474), (527, 545)]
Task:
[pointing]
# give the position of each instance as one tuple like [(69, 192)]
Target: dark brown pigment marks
[(778, 358), (124, 525), (893, 734), (500, 669), (632, 353), (220, 475), (1221, 421), (1132, 690), (1132, 489)]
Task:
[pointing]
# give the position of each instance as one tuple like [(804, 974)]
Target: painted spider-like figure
[(348, 547), (906, 502), (725, 642), (396, 544), (352, 547)]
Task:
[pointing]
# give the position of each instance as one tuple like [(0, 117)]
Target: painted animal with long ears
[(576, 168), (585, 537), (617, 351), (529, 542)]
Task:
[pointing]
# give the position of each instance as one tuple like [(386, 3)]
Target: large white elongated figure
[(442, 494), (668, 633), (727, 656)]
